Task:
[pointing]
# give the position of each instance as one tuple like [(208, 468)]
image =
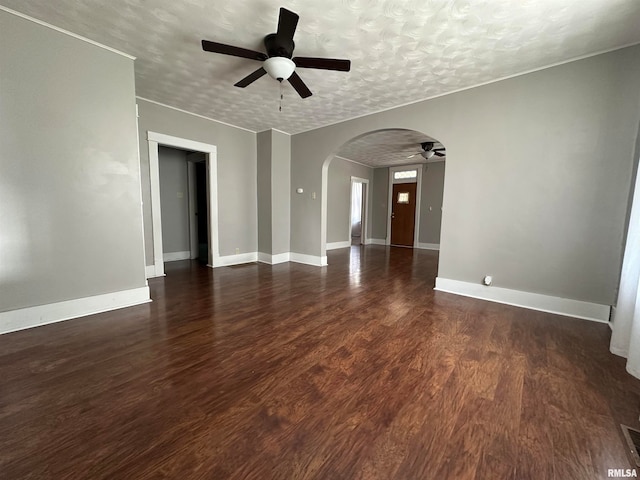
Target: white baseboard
[(30, 317), (150, 271), (250, 257), (308, 259), (619, 351), (238, 259), (273, 259), (174, 256), (533, 301), (428, 246), (376, 241), (336, 245)]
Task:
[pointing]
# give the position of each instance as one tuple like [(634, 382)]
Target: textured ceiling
[(387, 148), (401, 50)]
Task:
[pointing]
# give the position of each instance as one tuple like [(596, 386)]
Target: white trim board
[(175, 256), (353, 161), (237, 259), (336, 245), (66, 32), (195, 114), (273, 130), (428, 246), (273, 259), (150, 271), (30, 317), (316, 261), (532, 301)]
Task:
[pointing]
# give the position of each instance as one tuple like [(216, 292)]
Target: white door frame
[(154, 139), (365, 214), (416, 230)]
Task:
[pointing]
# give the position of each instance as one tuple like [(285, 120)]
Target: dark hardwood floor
[(354, 371)]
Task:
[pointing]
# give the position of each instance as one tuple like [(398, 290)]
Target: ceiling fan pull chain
[(281, 96)]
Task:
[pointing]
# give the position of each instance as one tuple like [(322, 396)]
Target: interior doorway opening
[(200, 153), (405, 171), (358, 220), (200, 237), (184, 209)]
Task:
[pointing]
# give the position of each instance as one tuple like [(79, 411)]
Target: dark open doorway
[(201, 212)]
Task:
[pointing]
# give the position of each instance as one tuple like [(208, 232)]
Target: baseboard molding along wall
[(308, 259), (376, 241), (238, 259), (150, 271), (533, 301), (30, 317), (336, 245), (229, 260), (428, 246), (175, 256), (273, 259)]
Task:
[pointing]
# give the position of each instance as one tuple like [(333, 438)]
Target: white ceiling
[(401, 50), (387, 148)]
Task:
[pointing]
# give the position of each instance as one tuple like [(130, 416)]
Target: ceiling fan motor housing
[(280, 50), (278, 47)]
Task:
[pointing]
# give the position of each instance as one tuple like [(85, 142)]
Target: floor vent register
[(633, 441)]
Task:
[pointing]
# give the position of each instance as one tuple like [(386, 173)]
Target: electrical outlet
[(237, 251)]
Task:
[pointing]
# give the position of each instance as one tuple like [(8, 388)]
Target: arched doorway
[(411, 162)]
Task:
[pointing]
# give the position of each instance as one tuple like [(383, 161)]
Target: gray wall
[(431, 202), (264, 191), (236, 150), (339, 198), (174, 197), (538, 175), (281, 192), (379, 201), (70, 216), (274, 191)]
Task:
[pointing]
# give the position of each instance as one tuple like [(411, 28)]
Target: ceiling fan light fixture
[(428, 154), (279, 68)]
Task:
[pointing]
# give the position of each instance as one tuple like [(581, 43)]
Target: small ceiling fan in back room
[(278, 61), (428, 151)]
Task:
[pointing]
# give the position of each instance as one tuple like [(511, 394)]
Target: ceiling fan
[(277, 62), (428, 151)]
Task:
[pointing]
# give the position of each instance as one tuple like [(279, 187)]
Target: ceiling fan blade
[(411, 156), (287, 23), (216, 47), (323, 63), (249, 79), (297, 83), (439, 154), (438, 149)]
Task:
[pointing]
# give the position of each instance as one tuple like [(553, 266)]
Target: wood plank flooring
[(354, 371)]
